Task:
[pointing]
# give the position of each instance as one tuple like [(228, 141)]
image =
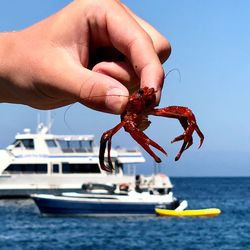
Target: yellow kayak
[(208, 212)]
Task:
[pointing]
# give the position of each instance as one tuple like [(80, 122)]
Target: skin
[(83, 53)]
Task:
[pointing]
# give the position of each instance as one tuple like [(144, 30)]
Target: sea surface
[(22, 227)]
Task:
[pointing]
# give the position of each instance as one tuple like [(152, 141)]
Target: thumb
[(102, 92)]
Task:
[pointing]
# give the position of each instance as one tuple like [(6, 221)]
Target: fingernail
[(116, 100)]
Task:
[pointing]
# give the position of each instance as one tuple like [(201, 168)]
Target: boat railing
[(9, 152), (131, 170), (127, 150)]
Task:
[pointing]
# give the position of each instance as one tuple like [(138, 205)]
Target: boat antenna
[(50, 121), (44, 126)]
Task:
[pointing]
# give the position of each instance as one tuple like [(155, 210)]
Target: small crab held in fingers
[(134, 119)]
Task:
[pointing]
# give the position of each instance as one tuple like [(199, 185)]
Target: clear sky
[(210, 47)]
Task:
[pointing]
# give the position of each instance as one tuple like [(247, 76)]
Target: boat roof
[(28, 135), (58, 137)]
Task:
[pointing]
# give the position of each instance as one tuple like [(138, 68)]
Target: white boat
[(108, 201), (42, 162)]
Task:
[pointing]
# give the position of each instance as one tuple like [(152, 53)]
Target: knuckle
[(164, 50)]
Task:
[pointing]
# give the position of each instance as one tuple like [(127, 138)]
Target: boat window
[(55, 168), (28, 143), (65, 146), (74, 144), (51, 143), (78, 146), (118, 167), (85, 146), (27, 168), (69, 168), (17, 143)]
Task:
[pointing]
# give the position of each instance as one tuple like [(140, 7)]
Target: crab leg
[(144, 141), (188, 122), (107, 137), (184, 124)]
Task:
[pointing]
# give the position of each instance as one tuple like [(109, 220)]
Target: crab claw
[(107, 137), (188, 122), (109, 167)]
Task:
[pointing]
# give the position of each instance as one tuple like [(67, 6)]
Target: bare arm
[(57, 61)]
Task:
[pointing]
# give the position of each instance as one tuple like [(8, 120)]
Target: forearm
[(16, 69), (7, 93)]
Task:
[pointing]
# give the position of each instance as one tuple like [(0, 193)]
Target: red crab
[(135, 120)]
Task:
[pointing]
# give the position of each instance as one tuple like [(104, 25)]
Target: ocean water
[(22, 227)]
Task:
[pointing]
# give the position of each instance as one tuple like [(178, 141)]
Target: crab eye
[(140, 92)]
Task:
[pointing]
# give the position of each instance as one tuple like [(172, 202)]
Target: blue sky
[(211, 49)]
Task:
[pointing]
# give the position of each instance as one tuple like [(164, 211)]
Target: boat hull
[(59, 205)]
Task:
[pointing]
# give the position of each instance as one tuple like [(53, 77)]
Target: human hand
[(83, 53)]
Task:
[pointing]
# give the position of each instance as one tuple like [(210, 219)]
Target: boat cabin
[(43, 153)]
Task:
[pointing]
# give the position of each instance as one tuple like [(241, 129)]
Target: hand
[(83, 53)]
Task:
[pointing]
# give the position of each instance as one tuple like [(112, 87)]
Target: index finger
[(130, 38), (161, 44)]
